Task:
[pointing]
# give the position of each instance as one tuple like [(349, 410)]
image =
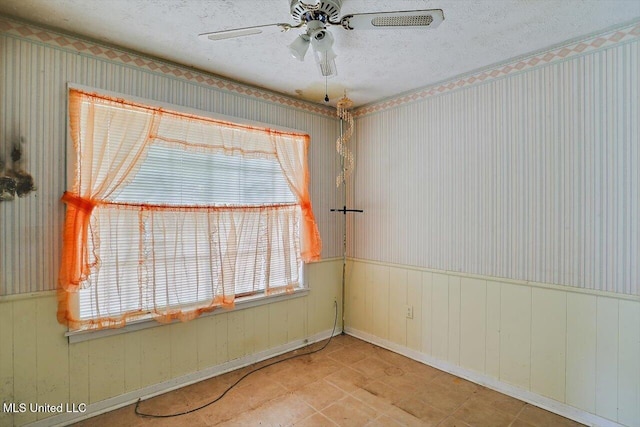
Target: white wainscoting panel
[(543, 342), (548, 339), (473, 324), (39, 365)]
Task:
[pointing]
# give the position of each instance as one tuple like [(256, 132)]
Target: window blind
[(172, 214)]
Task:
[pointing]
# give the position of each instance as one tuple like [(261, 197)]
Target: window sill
[(241, 304)]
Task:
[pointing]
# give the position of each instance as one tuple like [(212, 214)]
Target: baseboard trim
[(175, 383), (525, 395)]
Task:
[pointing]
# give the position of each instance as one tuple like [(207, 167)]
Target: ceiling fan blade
[(401, 19), (247, 31)]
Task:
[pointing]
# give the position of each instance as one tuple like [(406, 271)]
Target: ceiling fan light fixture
[(321, 40), (315, 16), (298, 48), (326, 61)]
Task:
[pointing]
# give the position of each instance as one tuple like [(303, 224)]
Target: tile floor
[(350, 383)]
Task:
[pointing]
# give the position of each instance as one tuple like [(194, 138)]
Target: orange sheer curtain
[(204, 251), (292, 157), (108, 160)]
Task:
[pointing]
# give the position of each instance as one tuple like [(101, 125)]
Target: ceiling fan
[(315, 18)]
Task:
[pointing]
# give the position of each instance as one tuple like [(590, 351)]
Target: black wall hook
[(344, 210)]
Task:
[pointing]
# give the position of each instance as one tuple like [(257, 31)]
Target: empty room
[(320, 213)]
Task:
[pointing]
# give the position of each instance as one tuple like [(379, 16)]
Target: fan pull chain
[(326, 91)]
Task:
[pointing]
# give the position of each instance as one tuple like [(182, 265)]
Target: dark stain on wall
[(15, 180)]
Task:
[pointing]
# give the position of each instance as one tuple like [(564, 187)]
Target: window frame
[(241, 301)]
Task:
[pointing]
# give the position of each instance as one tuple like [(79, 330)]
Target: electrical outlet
[(409, 311)]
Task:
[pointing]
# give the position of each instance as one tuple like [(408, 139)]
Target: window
[(172, 214)]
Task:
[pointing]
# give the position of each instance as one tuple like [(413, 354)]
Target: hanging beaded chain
[(341, 143)]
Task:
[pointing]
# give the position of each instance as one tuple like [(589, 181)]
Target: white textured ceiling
[(372, 65)]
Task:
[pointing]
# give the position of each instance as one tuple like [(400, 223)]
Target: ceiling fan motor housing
[(324, 10)]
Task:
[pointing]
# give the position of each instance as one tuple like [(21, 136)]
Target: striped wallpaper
[(525, 171), (36, 65), (529, 175)]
